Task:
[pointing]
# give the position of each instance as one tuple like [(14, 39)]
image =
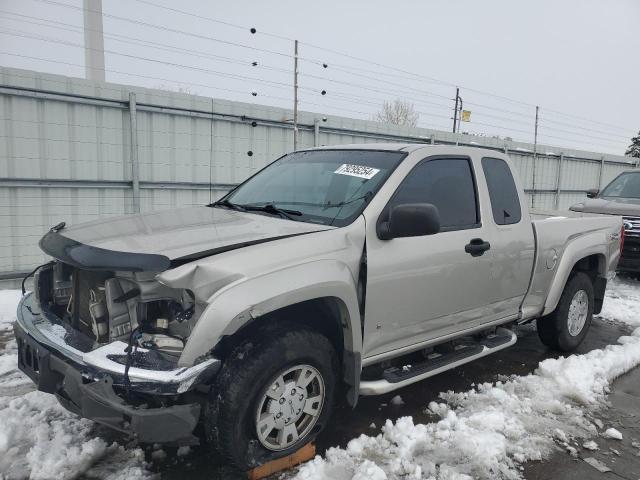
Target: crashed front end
[(104, 336)]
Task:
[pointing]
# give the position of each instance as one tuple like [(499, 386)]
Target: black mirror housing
[(410, 220), (592, 192)]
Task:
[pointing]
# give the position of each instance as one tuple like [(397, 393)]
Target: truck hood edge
[(157, 241)]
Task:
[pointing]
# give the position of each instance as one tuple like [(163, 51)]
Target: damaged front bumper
[(86, 380)]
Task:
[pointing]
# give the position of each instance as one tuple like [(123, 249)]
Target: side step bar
[(394, 379)]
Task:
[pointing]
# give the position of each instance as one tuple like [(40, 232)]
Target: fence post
[(316, 132), (135, 166), (559, 179), (600, 175)]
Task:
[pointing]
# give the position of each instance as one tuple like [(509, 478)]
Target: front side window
[(446, 183), (503, 193), (330, 187), (626, 185)]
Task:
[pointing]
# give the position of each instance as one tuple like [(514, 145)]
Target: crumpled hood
[(610, 206), (184, 232)]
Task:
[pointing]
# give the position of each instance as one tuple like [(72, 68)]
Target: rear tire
[(263, 379), (566, 327)]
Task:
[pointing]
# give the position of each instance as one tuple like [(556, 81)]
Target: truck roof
[(407, 147), (404, 147)]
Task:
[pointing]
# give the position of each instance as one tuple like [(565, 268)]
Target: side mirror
[(410, 220), (592, 192)]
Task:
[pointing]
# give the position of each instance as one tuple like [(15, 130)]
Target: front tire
[(273, 395), (567, 326)]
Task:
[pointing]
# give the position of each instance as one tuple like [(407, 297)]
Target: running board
[(437, 363)]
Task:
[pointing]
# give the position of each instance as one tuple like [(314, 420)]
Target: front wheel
[(273, 395), (566, 327)]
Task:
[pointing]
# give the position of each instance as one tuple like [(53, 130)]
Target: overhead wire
[(139, 41), (345, 68), (196, 53), (164, 62), (119, 72), (415, 75)]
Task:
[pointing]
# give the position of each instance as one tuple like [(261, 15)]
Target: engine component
[(62, 284), (162, 343), (99, 315), (162, 324), (119, 317)]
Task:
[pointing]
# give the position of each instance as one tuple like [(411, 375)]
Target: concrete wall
[(66, 154)]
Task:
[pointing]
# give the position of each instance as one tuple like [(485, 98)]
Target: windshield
[(627, 185), (330, 187)]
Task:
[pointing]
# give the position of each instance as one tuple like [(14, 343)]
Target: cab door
[(424, 287)]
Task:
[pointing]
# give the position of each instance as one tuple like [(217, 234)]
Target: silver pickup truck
[(331, 273)]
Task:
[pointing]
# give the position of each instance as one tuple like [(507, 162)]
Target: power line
[(65, 42), (139, 41), (221, 22), (200, 54), (201, 69), (380, 65), (584, 119), (372, 89), (196, 53), (164, 62), (280, 84), (136, 75), (172, 30), (353, 57), (584, 135)]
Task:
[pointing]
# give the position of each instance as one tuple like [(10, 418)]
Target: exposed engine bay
[(131, 307)]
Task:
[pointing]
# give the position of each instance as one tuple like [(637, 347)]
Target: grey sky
[(572, 56)]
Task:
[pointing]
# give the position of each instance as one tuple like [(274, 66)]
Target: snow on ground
[(484, 433), (487, 432), (8, 301), (41, 440)]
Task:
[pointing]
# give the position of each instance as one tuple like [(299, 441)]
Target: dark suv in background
[(620, 197)]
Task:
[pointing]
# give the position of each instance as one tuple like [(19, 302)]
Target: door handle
[(477, 247)]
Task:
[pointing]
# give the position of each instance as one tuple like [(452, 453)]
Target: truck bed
[(561, 239)]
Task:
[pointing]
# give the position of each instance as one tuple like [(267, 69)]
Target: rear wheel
[(567, 326), (273, 396)]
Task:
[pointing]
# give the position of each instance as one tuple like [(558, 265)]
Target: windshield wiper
[(228, 204), (271, 208)]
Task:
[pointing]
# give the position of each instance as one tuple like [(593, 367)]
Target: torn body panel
[(245, 285)]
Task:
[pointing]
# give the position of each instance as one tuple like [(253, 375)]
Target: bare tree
[(398, 112)]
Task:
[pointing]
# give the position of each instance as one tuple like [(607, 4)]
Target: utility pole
[(295, 95), (93, 40), (535, 157), (455, 109)]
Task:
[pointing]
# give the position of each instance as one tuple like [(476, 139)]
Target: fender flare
[(241, 302), (576, 250)]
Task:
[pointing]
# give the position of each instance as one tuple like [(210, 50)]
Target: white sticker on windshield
[(357, 171)]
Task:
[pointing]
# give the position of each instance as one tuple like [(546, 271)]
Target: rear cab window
[(505, 202)]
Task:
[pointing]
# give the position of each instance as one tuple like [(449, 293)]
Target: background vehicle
[(367, 267), (620, 197)]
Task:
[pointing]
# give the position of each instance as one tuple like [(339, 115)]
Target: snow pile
[(41, 440), (8, 303), (487, 432), (612, 433)]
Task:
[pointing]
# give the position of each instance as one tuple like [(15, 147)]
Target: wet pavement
[(621, 456), (347, 423)]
